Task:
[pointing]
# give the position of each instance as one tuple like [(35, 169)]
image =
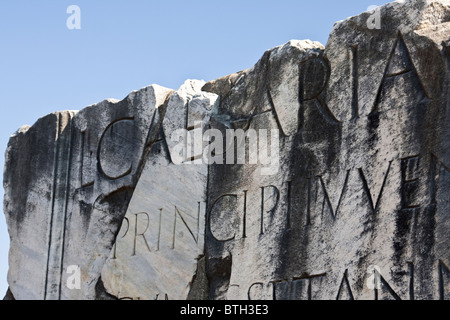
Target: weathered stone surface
[(332, 181), (9, 296), (156, 254), (68, 181), (363, 178)]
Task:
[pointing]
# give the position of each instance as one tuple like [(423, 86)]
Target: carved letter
[(86, 164), (435, 172), (178, 214), (281, 289), (374, 206), (315, 74), (264, 199), (386, 286), (255, 292), (166, 297), (410, 183), (142, 234), (123, 236), (345, 283), (114, 149), (327, 197), (223, 215), (244, 220), (399, 63)]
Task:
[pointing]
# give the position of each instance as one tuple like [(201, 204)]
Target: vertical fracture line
[(441, 282), (289, 205), (244, 222), (83, 137), (56, 227), (262, 211), (55, 170), (411, 281), (309, 289), (377, 283), (67, 191), (198, 222), (159, 228), (188, 146), (355, 83), (308, 208), (135, 235), (114, 251), (174, 228)]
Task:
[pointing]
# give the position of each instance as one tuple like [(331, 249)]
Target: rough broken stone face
[(68, 181), (157, 252), (359, 207), (355, 205)]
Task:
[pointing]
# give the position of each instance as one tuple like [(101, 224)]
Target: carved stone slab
[(162, 238), (68, 181), (359, 206), (319, 173)]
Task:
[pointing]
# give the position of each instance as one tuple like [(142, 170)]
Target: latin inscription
[(229, 214), (305, 287), (144, 231)]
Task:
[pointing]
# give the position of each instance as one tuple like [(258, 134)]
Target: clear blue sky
[(126, 45)]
